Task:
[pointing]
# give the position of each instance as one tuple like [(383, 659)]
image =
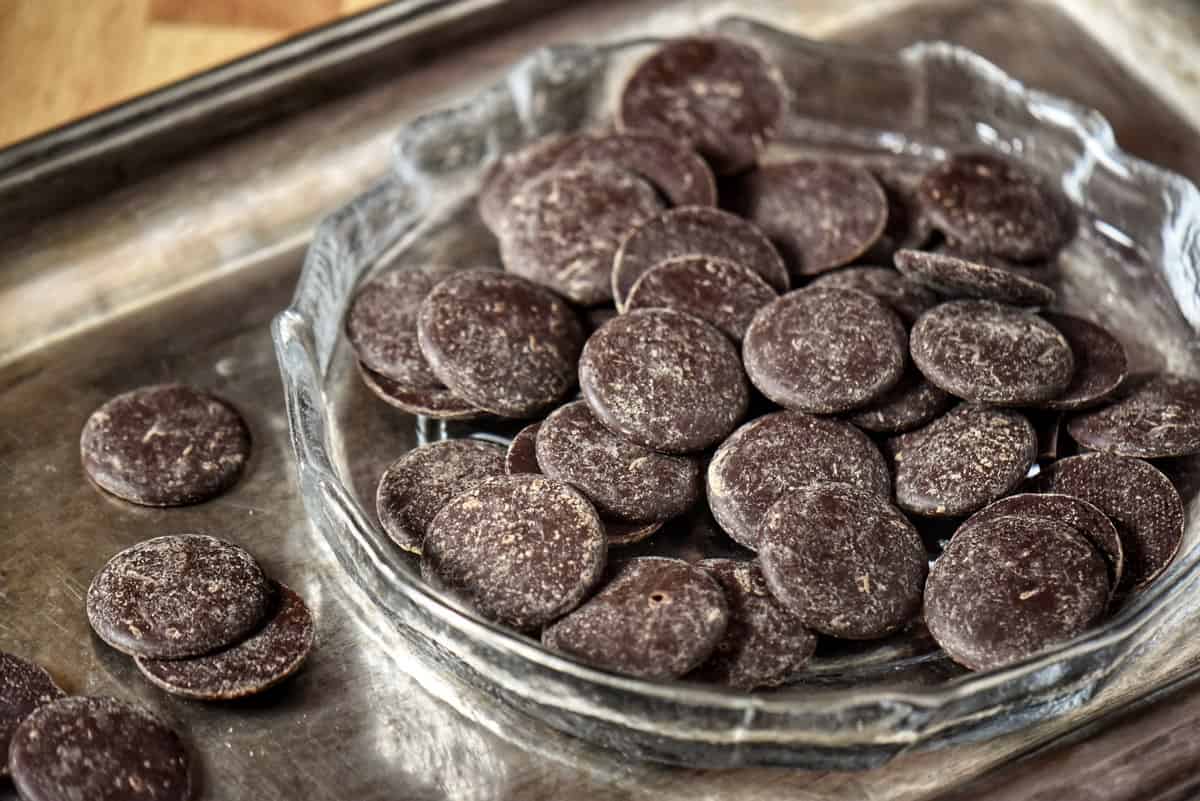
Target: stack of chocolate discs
[(826, 358)]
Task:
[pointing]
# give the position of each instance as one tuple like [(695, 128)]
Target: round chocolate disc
[(715, 94), (619, 534), (512, 171), (270, 655), (522, 451), (992, 205), (906, 298), (1141, 502), (983, 351), (178, 595), (625, 482), (958, 277), (381, 325), (524, 550), (846, 562), (665, 380), (563, 228), (717, 291), (1160, 417), (675, 170), (765, 643), (780, 453), (438, 403), (695, 231), (825, 350), (964, 460), (820, 214), (910, 404), (906, 225), (1009, 587), (500, 342), (656, 618), (1100, 363), (415, 487), (99, 749), (24, 687), (165, 445)]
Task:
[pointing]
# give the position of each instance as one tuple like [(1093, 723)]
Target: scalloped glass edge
[(684, 723)]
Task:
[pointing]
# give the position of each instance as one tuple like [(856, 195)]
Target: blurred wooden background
[(61, 59)]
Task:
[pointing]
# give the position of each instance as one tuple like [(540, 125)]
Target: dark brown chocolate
[(437, 403), (1160, 417), (1100, 363), (522, 451), (912, 403), (24, 687), (959, 277), (718, 291), (906, 298), (381, 325)]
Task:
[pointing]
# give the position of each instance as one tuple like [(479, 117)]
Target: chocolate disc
[(717, 291), (563, 228), (764, 643), (906, 298), (906, 225), (1100, 363), (24, 687), (664, 379), (512, 171), (438, 403), (845, 561), (177, 596), (963, 461), (780, 453), (270, 655), (522, 451), (825, 350), (695, 231), (523, 550), (1009, 587), (910, 404), (656, 618), (381, 325), (983, 351), (993, 206), (715, 94), (415, 487), (674, 169), (620, 534), (99, 749), (958, 277), (820, 214), (1160, 417), (1141, 502), (625, 482), (165, 445), (500, 342)]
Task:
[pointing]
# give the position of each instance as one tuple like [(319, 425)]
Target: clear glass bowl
[(1134, 265)]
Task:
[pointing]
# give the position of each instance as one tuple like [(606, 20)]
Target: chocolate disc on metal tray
[(655, 618), (382, 327), (24, 687), (512, 171), (674, 169), (713, 93), (913, 402), (1100, 363), (717, 291), (780, 453), (906, 298), (845, 561), (1159, 417), (415, 487), (959, 277), (991, 353), (438, 402), (695, 231), (825, 350), (522, 451)]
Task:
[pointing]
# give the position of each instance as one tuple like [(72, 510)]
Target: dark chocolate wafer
[(912, 403), (718, 291), (437, 403), (24, 686), (522, 451), (512, 171), (1100, 363), (381, 325), (674, 169), (906, 298), (1159, 417), (960, 277)]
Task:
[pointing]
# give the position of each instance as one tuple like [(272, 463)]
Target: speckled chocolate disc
[(500, 342), (913, 402), (778, 454), (959, 277), (673, 168), (438, 403), (1100, 363), (715, 94), (625, 482), (523, 550), (1160, 417), (964, 460), (563, 228), (718, 291), (656, 618), (664, 379), (165, 445), (511, 171), (695, 231), (522, 451), (765, 643), (178, 595), (845, 561), (825, 350), (1136, 496), (906, 298), (906, 225), (24, 687), (993, 205), (820, 214), (381, 325), (1008, 587), (415, 487), (984, 351), (98, 749)]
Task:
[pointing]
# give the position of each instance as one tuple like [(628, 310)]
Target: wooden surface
[(62, 59)]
